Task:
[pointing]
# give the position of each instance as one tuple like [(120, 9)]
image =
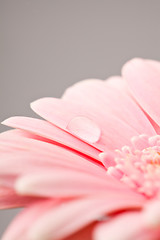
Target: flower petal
[(109, 95), (26, 218), (123, 227), (114, 132), (85, 129), (69, 183), (143, 78), (50, 131), (152, 214), (72, 216), (20, 155)]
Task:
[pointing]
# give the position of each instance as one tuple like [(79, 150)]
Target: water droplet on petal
[(85, 129)]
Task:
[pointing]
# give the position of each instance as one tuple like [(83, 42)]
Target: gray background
[(48, 45)]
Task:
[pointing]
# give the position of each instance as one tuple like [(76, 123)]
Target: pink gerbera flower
[(91, 169)]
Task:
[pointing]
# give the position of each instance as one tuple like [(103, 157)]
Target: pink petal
[(50, 131), (85, 129), (68, 183), (72, 216), (123, 227), (118, 83), (50, 219), (14, 133), (18, 229), (152, 214), (143, 78), (61, 113), (23, 154), (108, 96)]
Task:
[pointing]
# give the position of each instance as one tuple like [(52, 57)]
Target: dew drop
[(85, 129)]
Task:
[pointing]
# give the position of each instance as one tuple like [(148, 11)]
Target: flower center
[(138, 165)]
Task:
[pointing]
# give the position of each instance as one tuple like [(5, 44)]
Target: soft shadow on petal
[(123, 227), (84, 234)]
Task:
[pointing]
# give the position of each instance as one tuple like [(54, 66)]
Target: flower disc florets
[(139, 165)]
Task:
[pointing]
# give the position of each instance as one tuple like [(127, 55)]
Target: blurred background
[(47, 45)]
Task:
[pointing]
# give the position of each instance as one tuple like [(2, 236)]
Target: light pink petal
[(50, 131), (114, 132), (50, 219), (143, 78), (110, 96), (69, 183), (72, 216), (20, 154), (15, 133), (152, 214), (118, 83), (17, 163), (85, 128), (123, 227), (19, 227)]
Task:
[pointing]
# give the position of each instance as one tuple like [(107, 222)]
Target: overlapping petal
[(24, 154), (18, 229), (61, 112), (70, 183), (113, 100), (51, 132), (122, 227), (142, 77)]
